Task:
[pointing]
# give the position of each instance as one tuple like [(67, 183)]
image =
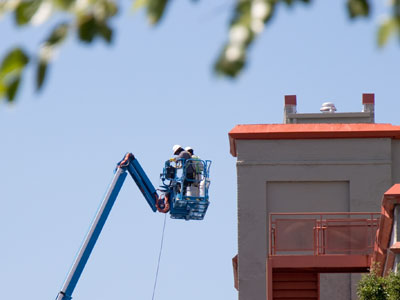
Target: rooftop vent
[(328, 107)]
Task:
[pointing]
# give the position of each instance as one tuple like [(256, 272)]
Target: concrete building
[(324, 162)]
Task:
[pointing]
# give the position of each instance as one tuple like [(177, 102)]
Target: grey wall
[(396, 160), (305, 176), (283, 196)]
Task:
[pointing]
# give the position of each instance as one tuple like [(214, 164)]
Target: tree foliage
[(393, 285), (90, 20), (374, 287)]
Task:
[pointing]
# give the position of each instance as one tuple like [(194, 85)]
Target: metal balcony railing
[(322, 233)]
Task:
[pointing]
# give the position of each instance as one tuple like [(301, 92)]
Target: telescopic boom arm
[(130, 164)]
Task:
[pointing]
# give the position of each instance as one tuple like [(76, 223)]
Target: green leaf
[(138, 4), (25, 11), (87, 28), (290, 2), (386, 30), (155, 10), (105, 32), (228, 67), (111, 8), (232, 61), (358, 8), (41, 74), (10, 72), (2, 11), (12, 88), (242, 13), (64, 4), (13, 63), (58, 34), (2, 90), (393, 285)]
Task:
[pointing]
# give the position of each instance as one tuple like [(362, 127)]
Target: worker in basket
[(181, 157), (198, 165)]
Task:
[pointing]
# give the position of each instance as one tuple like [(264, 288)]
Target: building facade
[(328, 162)]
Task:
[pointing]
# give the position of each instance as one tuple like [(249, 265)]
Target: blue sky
[(152, 89)]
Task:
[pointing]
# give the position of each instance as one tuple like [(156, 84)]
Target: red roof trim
[(394, 191), (310, 131)]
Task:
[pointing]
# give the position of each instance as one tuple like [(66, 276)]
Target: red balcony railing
[(322, 233)]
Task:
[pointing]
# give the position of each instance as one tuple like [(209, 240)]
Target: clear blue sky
[(154, 88)]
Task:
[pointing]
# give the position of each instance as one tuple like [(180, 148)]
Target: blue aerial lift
[(183, 193)]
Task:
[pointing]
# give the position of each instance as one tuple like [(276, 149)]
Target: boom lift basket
[(188, 189)]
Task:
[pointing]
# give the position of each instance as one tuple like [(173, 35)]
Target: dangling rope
[(159, 256)]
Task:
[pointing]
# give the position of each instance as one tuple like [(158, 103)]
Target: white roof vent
[(328, 107)]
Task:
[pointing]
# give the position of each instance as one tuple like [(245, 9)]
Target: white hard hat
[(188, 148), (175, 148)]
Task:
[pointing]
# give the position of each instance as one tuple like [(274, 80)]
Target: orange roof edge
[(310, 131), (393, 191)]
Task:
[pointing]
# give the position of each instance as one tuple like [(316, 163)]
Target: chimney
[(368, 101), (290, 107)]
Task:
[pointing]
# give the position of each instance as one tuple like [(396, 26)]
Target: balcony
[(323, 242)]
